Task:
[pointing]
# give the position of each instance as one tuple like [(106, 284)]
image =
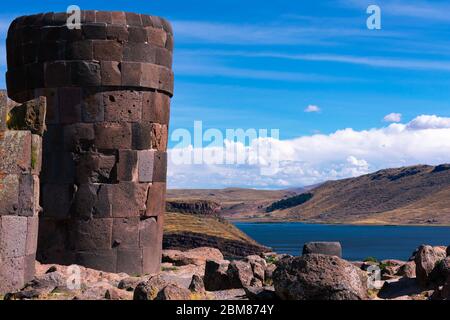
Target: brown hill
[(236, 203), (408, 195)]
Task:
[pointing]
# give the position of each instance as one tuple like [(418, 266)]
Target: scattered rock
[(389, 272), (326, 248), (216, 276), (268, 273), (358, 264), (319, 277), (197, 256), (40, 286), (259, 266), (408, 270), (104, 291), (426, 259), (397, 288), (148, 290), (261, 293), (240, 274), (393, 262), (130, 283), (173, 292), (197, 285), (440, 273)]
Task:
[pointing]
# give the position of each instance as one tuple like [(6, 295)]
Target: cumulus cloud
[(429, 122), (393, 117), (312, 108), (312, 159)]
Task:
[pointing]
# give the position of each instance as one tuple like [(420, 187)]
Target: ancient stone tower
[(108, 87), (20, 164)]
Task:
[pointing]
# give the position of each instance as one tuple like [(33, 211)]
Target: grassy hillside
[(186, 231), (409, 195)]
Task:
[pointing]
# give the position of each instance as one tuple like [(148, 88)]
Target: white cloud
[(312, 108), (393, 117), (429, 122), (345, 153)]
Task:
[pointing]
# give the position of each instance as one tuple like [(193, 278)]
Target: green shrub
[(290, 202), (271, 259), (371, 259)]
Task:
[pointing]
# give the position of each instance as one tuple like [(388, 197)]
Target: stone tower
[(108, 87)]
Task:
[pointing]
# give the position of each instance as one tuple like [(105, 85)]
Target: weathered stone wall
[(20, 164), (108, 87)]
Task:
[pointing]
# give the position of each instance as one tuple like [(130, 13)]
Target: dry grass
[(210, 226)]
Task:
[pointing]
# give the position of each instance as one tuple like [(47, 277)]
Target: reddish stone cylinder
[(108, 87)]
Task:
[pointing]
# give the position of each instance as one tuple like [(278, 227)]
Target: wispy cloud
[(312, 108), (187, 63), (373, 61), (276, 33), (393, 117), (421, 10), (254, 74)]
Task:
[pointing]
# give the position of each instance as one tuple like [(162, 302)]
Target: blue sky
[(260, 64)]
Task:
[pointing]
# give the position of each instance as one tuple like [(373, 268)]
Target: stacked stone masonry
[(108, 87), (20, 164)]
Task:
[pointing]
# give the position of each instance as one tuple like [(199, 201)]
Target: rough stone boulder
[(395, 288), (390, 268), (440, 273), (149, 290), (319, 277), (197, 256), (426, 259), (261, 294), (130, 283), (197, 285), (327, 248), (173, 292), (40, 286), (240, 274), (216, 276), (259, 266), (448, 251), (408, 270), (268, 273)]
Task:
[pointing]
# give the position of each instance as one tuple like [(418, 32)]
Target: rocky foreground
[(203, 274)]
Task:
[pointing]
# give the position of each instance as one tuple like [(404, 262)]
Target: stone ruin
[(107, 87), (20, 165)]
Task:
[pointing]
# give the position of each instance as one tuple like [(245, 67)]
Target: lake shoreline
[(258, 221), (358, 241)]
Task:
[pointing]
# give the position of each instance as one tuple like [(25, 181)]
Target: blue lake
[(358, 242)]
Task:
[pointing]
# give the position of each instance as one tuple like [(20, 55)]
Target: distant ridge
[(408, 195)]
